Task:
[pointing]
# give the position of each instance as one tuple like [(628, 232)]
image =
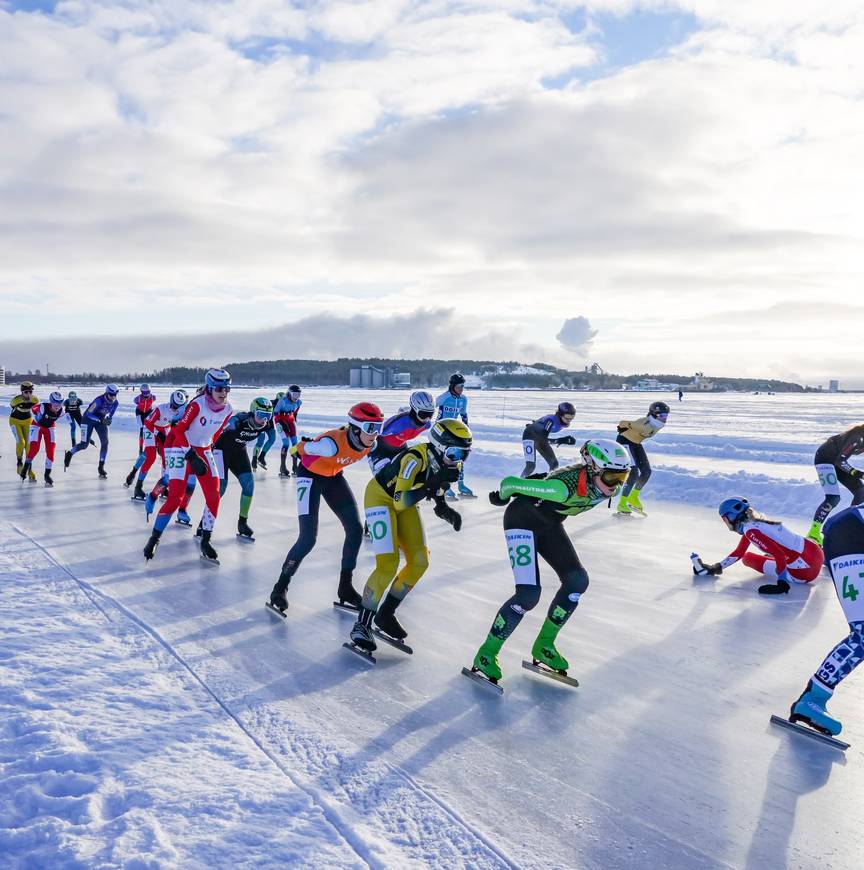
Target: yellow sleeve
[(407, 486)]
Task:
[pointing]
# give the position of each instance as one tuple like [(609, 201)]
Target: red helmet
[(366, 416)]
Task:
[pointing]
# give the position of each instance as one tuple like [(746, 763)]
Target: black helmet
[(566, 408), (294, 389), (457, 378), (658, 408)]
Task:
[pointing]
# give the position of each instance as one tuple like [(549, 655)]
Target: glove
[(497, 499), (567, 439), (160, 436), (781, 587), (714, 570), (196, 463), (446, 513), (108, 422), (306, 438), (857, 472)]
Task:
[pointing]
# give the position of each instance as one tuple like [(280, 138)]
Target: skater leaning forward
[(323, 460), (392, 514), (834, 470), (533, 526), (844, 555), (632, 434), (45, 415), (188, 450)]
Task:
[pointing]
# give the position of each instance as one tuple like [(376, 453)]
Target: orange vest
[(330, 466)]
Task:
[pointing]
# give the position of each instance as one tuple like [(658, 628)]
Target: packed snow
[(158, 716)]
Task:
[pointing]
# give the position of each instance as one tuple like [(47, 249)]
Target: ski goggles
[(424, 415), (614, 477), (262, 416), (370, 427), (455, 454)]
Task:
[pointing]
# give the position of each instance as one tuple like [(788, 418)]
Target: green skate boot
[(815, 533), (634, 503), (544, 653), (624, 505), (486, 660)]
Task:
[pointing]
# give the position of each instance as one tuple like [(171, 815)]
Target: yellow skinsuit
[(394, 523), (19, 420)]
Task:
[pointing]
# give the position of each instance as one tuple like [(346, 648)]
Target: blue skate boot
[(183, 518), (810, 709)]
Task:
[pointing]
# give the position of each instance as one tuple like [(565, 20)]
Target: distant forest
[(424, 373)]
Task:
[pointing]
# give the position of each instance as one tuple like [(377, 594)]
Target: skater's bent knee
[(575, 581), (526, 597)]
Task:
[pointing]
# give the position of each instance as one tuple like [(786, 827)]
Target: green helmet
[(280, 395), (261, 403)]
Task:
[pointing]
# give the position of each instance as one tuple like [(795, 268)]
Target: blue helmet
[(216, 378), (111, 389), (733, 509)]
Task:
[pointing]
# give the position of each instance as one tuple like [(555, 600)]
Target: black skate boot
[(138, 493), (347, 593), (103, 474), (67, 459), (283, 470), (207, 551), (385, 618), (151, 545), (48, 480), (261, 461), (25, 470), (294, 463), (244, 530), (278, 595), (361, 634), (254, 461), (18, 464), (130, 477)]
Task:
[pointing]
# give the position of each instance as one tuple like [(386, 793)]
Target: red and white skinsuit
[(200, 426), (784, 550), (42, 428), (158, 420)]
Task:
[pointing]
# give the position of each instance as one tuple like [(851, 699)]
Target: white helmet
[(604, 453), (422, 405), (607, 462), (55, 398), (179, 398)]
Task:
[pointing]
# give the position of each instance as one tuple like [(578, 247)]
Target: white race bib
[(220, 463), (848, 574), (523, 556), (381, 530), (828, 479), (175, 463), (528, 450), (304, 486), (148, 438)]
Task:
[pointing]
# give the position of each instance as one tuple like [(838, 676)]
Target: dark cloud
[(438, 333), (576, 335)]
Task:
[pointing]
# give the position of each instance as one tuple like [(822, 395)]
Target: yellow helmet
[(451, 438)]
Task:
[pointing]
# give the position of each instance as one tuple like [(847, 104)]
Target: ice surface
[(194, 718)]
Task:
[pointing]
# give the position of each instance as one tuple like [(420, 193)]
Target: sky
[(656, 186)]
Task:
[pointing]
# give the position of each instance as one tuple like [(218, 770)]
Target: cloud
[(434, 333), (576, 335)]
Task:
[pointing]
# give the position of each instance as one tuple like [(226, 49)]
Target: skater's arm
[(546, 490), (737, 553), (407, 491), (322, 446), (765, 542)]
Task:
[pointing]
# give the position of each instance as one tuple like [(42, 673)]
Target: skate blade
[(276, 610), (346, 608), (181, 523), (483, 681), (366, 656), (247, 538), (142, 500), (49, 486), (397, 644), (807, 731), (548, 672), (208, 560)]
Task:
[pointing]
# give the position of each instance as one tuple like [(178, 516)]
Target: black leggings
[(641, 470), (541, 448), (339, 498), (552, 543)]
